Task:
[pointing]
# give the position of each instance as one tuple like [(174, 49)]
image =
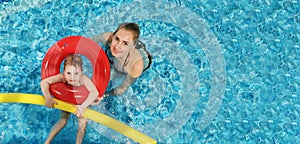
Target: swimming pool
[(223, 71)]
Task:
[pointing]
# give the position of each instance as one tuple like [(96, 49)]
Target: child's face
[(73, 75), (122, 43)]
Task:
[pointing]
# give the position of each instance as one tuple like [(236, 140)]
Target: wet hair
[(74, 60), (129, 26)]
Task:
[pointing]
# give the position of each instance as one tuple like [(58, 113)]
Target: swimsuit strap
[(140, 46), (126, 61)]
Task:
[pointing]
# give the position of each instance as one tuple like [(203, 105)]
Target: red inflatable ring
[(76, 45)]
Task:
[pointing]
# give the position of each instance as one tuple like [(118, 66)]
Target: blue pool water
[(223, 71)]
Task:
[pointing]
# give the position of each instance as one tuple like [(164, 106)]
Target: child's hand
[(50, 102), (79, 111)]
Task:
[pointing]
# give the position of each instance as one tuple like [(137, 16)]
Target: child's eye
[(68, 73), (76, 73)]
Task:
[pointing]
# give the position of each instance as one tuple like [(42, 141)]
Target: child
[(72, 75)]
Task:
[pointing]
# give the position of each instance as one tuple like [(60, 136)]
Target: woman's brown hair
[(129, 26)]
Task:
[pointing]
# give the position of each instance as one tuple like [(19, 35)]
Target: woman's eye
[(68, 73), (76, 73)]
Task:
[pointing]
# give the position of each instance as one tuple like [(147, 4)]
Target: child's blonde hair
[(74, 60)]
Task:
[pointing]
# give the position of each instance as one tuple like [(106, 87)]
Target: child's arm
[(45, 84), (91, 97)]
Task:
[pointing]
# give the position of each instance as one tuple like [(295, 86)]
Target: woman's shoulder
[(145, 54), (137, 65)]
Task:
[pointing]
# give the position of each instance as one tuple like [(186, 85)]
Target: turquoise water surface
[(223, 71)]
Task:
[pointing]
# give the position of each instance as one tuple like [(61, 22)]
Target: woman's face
[(122, 43), (73, 75)]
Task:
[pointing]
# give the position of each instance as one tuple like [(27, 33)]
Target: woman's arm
[(102, 37), (135, 71), (123, 87)]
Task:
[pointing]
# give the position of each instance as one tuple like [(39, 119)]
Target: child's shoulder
[(85, 78)]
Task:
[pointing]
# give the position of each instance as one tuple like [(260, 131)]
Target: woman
[(72, 75), (126, 53)]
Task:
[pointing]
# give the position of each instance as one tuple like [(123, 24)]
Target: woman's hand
[(50, 102), (98, 100)]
